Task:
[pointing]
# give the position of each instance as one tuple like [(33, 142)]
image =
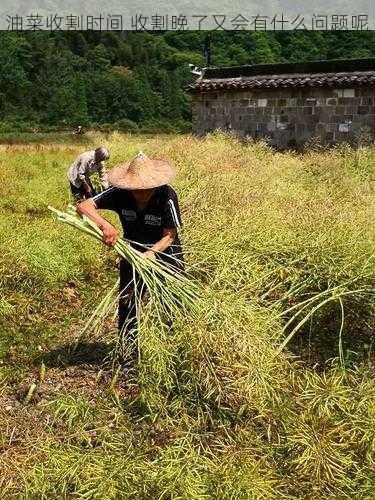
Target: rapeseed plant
[(265, 391)]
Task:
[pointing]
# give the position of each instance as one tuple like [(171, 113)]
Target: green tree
[(98, 58), (68, 103), (70, 77), (14, 81)]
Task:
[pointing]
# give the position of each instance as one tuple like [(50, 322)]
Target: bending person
[(83, 167), (149, 213)]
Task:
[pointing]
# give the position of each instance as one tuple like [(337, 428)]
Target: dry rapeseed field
[(266, 391)]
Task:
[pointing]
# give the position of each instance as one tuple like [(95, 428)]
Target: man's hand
[(88, 208), (149, 254), (110, 234)]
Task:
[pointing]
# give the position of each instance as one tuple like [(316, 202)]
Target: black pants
[(131, 289), (129, 300), (79, 193)]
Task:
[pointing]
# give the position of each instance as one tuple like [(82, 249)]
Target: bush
[(106, 127), (159, 126), (125, 125), (14, 126)]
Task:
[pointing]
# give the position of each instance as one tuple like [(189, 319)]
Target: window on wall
[(345, 92)]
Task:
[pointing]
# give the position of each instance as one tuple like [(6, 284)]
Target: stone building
[(289, 104)]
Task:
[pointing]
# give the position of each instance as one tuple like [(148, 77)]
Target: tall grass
[(266, 391)]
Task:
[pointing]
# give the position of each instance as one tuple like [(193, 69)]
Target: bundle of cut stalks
[(170, 290)]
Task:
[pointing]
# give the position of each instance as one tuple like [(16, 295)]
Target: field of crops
[(265, 391)]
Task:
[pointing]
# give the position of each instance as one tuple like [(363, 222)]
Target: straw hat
[(141, 173)]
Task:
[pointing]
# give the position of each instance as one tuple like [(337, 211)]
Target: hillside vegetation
[(266, 391), (131, 80)]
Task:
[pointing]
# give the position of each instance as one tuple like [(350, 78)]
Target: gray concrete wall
[(289, 117)]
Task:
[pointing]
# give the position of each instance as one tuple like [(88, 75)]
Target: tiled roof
[(337, 72), (337, 79)]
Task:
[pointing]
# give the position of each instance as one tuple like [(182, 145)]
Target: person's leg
[(77, 193), (126, 287), (93, 192), (130, 296)]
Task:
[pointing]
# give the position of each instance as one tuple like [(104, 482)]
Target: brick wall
[(289, 117)]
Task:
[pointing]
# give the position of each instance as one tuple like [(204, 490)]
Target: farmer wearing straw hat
[(150, 217), (83, 167)]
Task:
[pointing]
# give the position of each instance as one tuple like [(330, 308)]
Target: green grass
[(265, 391)]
